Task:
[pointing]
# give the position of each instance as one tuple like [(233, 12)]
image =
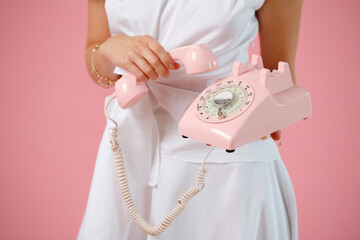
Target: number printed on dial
[(224, 100)]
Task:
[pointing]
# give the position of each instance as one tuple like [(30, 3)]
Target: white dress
[(248, 193)]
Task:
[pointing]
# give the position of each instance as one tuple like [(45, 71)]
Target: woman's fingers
[(141, 55), (145, 67), (139, 74), (276, 135), (175, 66), (160, 52), (154, 61)]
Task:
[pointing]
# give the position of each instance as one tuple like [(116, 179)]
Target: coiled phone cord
[(129, 203)]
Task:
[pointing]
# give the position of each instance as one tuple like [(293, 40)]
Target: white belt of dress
[(138, 127)]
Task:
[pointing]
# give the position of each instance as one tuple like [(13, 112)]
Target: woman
[(248, 193)]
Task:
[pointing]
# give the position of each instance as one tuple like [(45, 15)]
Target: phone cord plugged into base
[(129, 203)]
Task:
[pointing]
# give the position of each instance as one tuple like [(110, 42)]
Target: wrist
[(102, 68)]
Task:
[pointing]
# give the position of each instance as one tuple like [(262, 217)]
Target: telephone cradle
[(253, 102)]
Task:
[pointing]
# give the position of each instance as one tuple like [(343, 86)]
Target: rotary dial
[(224, 101)]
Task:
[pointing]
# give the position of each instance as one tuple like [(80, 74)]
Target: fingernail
[(172, 66)]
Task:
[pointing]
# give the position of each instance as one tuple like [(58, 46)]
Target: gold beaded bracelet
[(102, 81)]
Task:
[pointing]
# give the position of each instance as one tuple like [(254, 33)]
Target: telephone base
[(246, 106)]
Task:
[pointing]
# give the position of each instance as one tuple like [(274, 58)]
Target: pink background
[(52, 120)]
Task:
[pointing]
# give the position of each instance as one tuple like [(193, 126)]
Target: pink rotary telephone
[(246, 106), (231, 112)]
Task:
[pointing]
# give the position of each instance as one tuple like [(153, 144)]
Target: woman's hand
[(143, 56), (276, 136)]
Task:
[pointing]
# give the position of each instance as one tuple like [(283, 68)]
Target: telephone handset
[(195, 58), (231, 112)]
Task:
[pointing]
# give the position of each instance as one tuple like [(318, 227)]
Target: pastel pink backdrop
[(52, 120)]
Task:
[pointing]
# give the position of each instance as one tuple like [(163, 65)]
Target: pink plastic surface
[(196, 59), (129, 90), (277, 104)]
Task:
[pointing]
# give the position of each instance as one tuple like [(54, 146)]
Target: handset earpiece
[(195, 58)]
